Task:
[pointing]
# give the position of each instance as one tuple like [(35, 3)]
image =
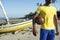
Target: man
[(47, 31)]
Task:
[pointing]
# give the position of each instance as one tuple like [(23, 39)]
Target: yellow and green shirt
[(47, 12)]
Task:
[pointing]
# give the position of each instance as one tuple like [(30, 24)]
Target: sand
[(25, 34)]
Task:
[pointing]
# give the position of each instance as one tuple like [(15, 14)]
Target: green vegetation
[(30, 15), (58, 14)]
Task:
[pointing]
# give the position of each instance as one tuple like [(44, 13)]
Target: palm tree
[(39, 4)]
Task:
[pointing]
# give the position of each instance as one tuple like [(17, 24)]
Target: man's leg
[(43, 34), (51, 35)]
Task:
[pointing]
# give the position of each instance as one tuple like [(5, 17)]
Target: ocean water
[(2, 20)]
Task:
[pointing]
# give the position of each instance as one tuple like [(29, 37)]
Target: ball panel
[(39, 20)]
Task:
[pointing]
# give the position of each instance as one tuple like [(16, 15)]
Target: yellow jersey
[(47, 12)]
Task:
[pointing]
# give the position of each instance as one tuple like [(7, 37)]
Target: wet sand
[(25, 34)]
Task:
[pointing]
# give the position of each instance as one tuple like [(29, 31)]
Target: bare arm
[(34, 20), (56, 24), (34, 25)]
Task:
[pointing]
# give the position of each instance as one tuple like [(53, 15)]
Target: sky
[(19, 8)]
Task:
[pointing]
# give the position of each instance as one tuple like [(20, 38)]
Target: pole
[(7, 19)]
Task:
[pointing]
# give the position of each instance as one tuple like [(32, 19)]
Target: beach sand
[(25, 34)]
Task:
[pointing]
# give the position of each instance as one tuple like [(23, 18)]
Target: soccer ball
[(39, 20)]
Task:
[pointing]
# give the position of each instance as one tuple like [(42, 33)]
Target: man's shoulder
[(53, 7), (40, 7)]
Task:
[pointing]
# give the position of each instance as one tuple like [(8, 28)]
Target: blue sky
[(19, 8)]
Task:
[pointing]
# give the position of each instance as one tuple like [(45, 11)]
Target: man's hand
[(57, 33), (35, 32)]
